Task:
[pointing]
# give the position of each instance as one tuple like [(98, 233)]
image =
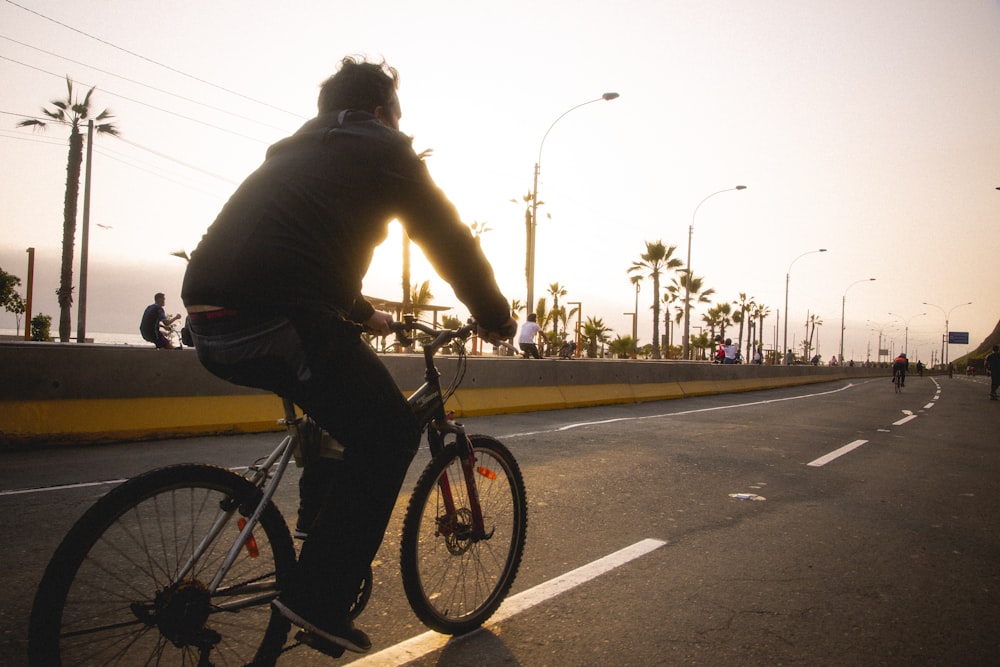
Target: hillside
[(976, 357)]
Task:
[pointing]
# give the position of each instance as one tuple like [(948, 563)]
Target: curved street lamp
[(906, 329), (784, 343), (843, 302), (686, 347), (947, 316), (529, 267)]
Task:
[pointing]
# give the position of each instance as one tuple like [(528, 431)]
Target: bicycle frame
[(428, 405)]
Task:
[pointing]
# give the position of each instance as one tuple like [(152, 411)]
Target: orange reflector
[(251, 544), (486, 472)]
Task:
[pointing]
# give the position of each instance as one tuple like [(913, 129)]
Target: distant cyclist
[(899, 366)]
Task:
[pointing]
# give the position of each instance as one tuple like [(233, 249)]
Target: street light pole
[(945, 351), (788, 274), (843, 302), (685, 344), (906, 330), (636, 280), (529, 269), (81, 317)]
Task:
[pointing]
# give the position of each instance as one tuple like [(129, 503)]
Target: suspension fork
[(467, 458)]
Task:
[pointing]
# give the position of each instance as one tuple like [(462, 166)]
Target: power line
[(150, 60), (145, 104), (124, 160), (144, 85), (173, 159)]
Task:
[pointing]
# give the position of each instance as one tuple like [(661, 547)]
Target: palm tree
[(701, 342), (813, 322), (670, 295), (557, 290), (759, 312), (515, 307), (543, 316), (407, 306), (594, 332), (71, 112), (657, 259), (420, 297), (745, 306), (621, 347), (698, 292)]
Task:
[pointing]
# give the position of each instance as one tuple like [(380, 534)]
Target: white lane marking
[(61, 487), (83, 485), (904, 420), (823, 460), (428, 642), (928, 406), (679, 413)]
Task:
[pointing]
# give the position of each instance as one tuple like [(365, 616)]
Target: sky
[(869, 129)]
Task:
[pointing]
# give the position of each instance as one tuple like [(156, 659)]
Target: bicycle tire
[(105, 597), (454, 584)]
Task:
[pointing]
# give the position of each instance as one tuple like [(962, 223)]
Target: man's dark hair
[(159, 295), (359, 85)]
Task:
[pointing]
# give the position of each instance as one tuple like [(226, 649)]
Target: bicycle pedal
[(319, 644)]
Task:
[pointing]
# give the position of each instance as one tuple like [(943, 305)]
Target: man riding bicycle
[(899, 366), (273, 293)]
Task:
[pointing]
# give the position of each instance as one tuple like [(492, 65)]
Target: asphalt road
[(721, 530)]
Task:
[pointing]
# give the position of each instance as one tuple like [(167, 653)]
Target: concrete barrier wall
[(73, 394)]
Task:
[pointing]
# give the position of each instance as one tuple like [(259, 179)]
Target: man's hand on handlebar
[(505, 331), (378, 323)]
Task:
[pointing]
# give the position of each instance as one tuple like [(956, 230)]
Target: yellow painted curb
[(658, 391), (596, 394)]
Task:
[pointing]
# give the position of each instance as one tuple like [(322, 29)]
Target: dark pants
[(530, 350), (325, 367)]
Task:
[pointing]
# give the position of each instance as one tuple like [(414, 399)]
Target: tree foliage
[(73, 113)]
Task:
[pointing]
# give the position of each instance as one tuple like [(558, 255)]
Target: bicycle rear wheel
[(453, 581), (111, 594)]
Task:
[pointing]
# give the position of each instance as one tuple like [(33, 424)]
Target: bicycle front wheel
[(113, 593), (453, 579)]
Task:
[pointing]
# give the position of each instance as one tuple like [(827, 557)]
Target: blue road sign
[(958, 337)]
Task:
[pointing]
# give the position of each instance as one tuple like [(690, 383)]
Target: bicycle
[(897, 381), (179, 564)]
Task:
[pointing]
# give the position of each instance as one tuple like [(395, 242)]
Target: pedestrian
[(789, 357), (993, 367), (154, 321), (274, 297), (528, 339), (729, 352)]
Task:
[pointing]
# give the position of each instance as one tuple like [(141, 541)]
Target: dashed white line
[(823, 460), (429, 642)]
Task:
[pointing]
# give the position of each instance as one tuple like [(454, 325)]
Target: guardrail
[(78, 394)]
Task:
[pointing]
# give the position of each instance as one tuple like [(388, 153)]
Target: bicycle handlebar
[(441, 336)]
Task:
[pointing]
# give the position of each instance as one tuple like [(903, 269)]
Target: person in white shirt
[(730, 351), (527, 340)]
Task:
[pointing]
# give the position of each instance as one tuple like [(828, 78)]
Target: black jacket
[(299, 233)]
